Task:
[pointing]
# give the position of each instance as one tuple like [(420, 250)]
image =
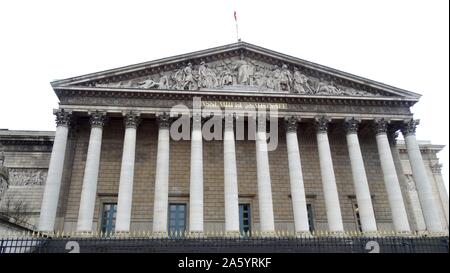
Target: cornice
[(99, 92)]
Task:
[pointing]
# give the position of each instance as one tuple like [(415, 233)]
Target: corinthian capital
[(163, 120), (436, 168), (351, 125), (380, 126), (291, 124), (63, 118), (392, 134), (322, 124), (97, 119), (409, 127), (131, 120)]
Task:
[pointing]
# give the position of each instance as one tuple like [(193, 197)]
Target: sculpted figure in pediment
[(300, 83), (207, 78), (163, 82), (226, 77), (330, 88), (189, 82), (276, 78), (177, 78), (285, 78), (260, 77), (148, 83), (244, 71)]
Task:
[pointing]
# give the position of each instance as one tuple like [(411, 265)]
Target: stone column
[(266, 218), (415, 203), (301, 224), (230, 177), (330, 191), (398, 210), (424, 188), (196, 184), (55, 170), (89, 190), (161, 198), (443, 195), (127, 174), (360, 183)]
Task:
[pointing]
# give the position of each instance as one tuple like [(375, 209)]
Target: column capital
[(131, 120), (97, 119), (351, 125), (380, 125), (63, 117), (322, 124), (164, 120), (409, 127), (436, 168), (392, 134), (291, 123)]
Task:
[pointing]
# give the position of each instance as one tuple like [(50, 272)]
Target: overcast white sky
[(401, 43)]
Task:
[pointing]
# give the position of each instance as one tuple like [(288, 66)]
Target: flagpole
[(237, 29), (237, 32)]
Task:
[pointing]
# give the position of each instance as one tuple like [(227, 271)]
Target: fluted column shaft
[(424, 188), (330, 191), (55, 170), (362, 191), (443, 195), (161, 196), (298, 196), (89, 189), (127, 174), (196, 184), (230, 177), (266, 220), (395, 198)]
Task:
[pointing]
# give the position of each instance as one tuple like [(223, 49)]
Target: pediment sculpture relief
[(239, 73)]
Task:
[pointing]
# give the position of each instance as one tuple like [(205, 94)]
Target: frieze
[(27, 176), (297, 105), (240, 73)]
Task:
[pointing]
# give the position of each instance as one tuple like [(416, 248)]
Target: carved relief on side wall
[(26, 176)]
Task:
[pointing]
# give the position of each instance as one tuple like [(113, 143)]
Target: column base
[(195, 234), (83, 234), (121, 234), (265, 234), (162, 234), (403, 233), (432, 234), (233, 234), (303, 234), (370, 234)]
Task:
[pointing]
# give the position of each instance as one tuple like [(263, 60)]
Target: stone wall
[(27, 156)]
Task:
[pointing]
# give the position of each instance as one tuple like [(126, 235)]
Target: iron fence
[(337, 244)]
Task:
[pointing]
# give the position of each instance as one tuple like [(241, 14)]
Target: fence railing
[(237, 244)]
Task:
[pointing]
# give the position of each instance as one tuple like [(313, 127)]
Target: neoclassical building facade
[(238, 139)]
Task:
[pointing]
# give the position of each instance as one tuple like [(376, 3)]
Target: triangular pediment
[(237, 67)]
